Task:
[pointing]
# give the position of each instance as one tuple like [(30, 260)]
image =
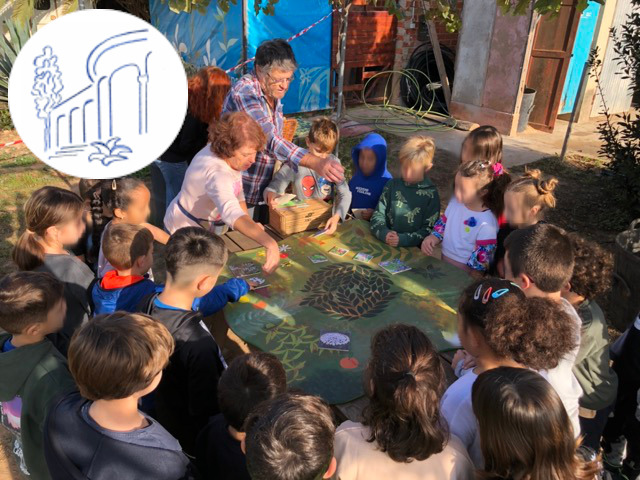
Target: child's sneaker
[(613, 454)]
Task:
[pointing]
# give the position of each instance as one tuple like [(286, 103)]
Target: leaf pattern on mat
[(349, 291)]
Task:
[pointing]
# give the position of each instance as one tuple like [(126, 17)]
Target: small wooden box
[(290, 220)]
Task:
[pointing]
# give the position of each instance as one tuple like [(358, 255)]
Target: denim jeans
[(173, 174)]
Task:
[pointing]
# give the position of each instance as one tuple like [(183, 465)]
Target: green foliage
[(18, 34), (620, 134), (5, 120)]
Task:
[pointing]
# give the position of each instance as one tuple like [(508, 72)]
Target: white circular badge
[(98, 94)]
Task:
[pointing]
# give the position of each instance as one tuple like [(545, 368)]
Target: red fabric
[(502, 221), (112, 280)]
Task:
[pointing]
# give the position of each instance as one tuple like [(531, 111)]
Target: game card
[(395, 266), (318, 258), (245, 269), (363, 257), (319, 232), (340, 252), (257, 282), (340, 341)]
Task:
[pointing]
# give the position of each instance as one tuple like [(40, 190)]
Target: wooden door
[(550, 57)]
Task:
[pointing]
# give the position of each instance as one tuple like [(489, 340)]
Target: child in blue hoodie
[(370, 174)]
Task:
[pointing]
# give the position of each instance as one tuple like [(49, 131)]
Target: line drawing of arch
[(71, 123), (58, 129), (111, 96), (99, 113), (128, 49), (84, 119), (94, 62)]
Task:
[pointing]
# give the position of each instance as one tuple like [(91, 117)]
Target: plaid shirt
[(246, 95)]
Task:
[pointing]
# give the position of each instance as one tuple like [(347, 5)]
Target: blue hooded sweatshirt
[(367, 190), (113, 292)]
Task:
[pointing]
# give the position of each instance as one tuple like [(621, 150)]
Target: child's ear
[(525, 281), (535, 210), (118, 213), (333, 466), (566, 289), (33, 330)]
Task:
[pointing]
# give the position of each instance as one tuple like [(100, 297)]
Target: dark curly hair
[(404, 381), (534, 332), (593, 268)]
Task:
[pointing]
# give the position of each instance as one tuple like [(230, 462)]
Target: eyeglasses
[(282, 81)]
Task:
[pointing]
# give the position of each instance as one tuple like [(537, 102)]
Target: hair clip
[(113, 184), (498, 169), (476, 295), (485, 297), (499, 293)]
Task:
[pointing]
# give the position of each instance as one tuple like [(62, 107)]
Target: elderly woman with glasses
[(259, 94)]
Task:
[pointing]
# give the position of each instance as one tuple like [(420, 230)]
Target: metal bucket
[(624, 301), (526, 107)]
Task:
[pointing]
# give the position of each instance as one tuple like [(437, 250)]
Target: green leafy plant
[(13, 38), (620, 134)]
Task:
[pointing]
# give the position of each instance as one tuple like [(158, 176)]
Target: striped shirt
[(246, 95)]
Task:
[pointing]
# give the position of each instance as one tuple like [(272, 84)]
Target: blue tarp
[(215, 38)]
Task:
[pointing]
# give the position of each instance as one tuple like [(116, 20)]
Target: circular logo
[(98, 94)]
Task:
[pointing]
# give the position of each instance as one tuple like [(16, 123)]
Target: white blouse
[(211, 192)]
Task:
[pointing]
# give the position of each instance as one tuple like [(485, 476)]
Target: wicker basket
[(289, 129), (289, 220), (624, 300)]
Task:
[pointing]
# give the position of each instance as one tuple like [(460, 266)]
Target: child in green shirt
[(409, 206)]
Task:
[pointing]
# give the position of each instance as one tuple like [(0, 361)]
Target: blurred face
[(68, 233), (517, 213), (55, 317), (466, 189), (275, 83), (138, 210), (412, 173), (466, 337), (367, 161), (146, 262), (242, 158)]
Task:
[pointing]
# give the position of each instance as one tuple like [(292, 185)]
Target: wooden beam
[(437, 53)]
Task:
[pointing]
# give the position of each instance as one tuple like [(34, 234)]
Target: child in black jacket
[(187, 395)]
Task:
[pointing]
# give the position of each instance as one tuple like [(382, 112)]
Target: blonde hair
[(536, 190), (418, 149), (323, 134)]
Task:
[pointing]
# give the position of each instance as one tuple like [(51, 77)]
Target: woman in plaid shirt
[(259, 94)]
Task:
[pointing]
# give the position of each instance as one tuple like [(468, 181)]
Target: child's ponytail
[(111, 194), (47, 207), (537, 190)]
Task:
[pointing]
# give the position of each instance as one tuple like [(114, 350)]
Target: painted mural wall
[(210, 36)]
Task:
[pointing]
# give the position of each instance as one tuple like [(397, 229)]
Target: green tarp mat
[(306, 299)]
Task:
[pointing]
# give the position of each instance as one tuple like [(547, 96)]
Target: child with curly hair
[(592, 277), (495, 328)]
